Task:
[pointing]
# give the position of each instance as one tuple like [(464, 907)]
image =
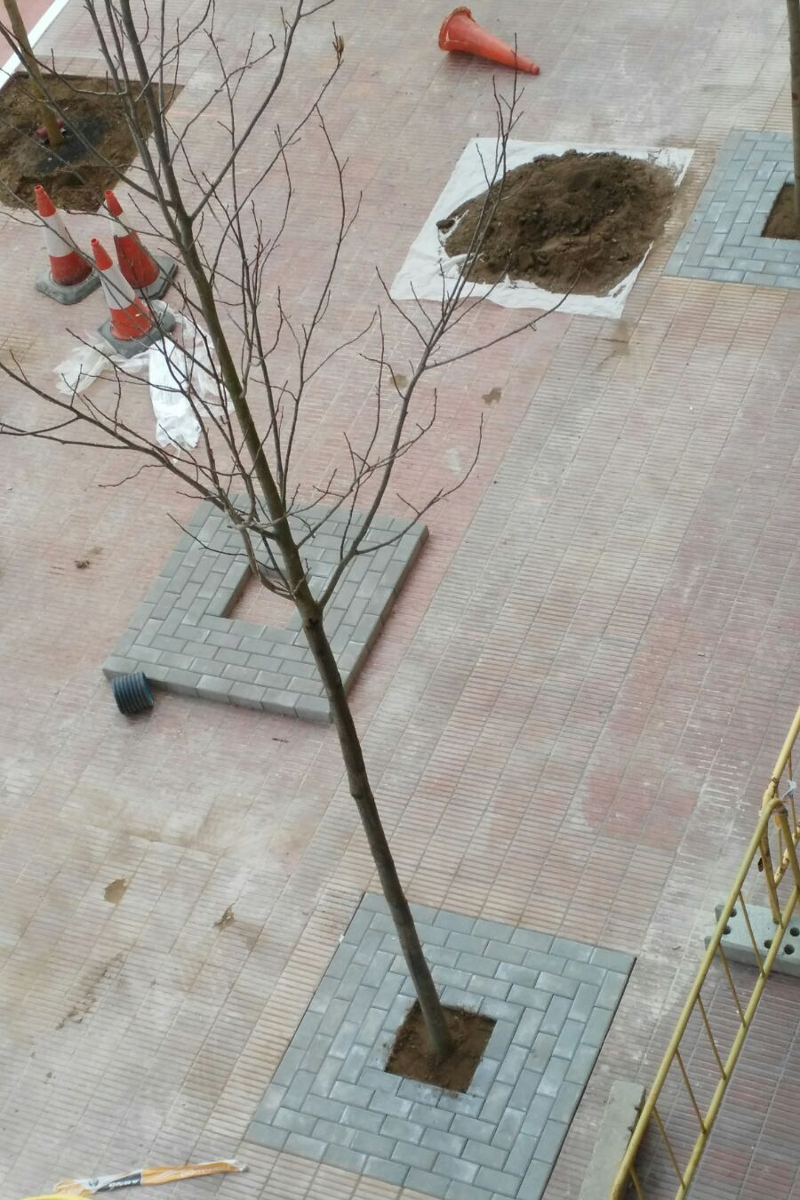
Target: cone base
[(67, 293), (167, 270), (132, 346)]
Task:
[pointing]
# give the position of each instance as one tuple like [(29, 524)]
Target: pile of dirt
[(74, 176), (781, 221), (411, 1056), (571, 222)]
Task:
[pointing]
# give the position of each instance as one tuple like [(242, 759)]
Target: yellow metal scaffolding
[(763, 867)]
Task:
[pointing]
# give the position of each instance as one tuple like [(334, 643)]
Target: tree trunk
[(361, 791), (793, 8), (349, 741), (54, 134)]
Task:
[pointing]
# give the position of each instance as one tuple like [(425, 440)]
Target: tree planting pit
[(571, 222), (411, 1055), (89, 159), (781, 222)]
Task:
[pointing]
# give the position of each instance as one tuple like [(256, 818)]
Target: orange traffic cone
[(148, 274), (70, 277), (129, 328), (460, 31)]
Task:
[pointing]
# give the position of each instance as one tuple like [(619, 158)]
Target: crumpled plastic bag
[(173, 375)]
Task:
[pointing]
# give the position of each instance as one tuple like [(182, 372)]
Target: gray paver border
[(722, 240), (184, 641), (553, 1001)]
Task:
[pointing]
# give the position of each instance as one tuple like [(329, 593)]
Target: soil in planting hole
[(781, 221), (569, 222), (73, 173), (412, 1058)]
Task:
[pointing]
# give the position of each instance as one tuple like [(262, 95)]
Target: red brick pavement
[(573, 709)]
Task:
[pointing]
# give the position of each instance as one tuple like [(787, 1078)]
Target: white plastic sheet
[(427, 270), (174, 373)]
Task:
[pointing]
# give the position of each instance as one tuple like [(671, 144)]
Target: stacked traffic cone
[(130, 328), (70, 276), (460, 31), (148, 274)]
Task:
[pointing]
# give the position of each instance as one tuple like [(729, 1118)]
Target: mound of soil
[(781, 222), (74, 176), (572, 222), (411, 1055)]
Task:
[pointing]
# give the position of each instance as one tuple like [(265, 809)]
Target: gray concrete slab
[(499, 1138), (186, 639)]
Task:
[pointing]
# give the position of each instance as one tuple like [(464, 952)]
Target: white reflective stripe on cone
[(116, 289), (56, 238)]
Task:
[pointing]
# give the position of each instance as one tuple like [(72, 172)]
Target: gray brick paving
[(331, 1099), (722, 240), (184, 640)]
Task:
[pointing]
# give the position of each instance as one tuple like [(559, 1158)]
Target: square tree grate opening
[(781, 222), (411, 1056)]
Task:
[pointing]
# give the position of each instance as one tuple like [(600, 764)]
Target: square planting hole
[(781, 222), (259, 604), (533, 1010), (74, 177), (742, 227), (411, 1057)]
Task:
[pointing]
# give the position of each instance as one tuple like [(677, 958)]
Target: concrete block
[(551, 1141), (345, 1157), (537, 1116), (306, 1147), (390, 1172), (427, 1182), (293, 1122), (508, 1129), (374, 1144), (414, 1155), (499, 1182), (534, 1181), (442, 1141), (530, 939), (554, 1075), (569, 1039), (267, 1135), (739, 948), (455, 1168)]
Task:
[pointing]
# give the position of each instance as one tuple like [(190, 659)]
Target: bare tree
[(17, 38), (247, 381)]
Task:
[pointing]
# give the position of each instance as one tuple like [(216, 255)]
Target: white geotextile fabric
[(173, 372), (427, 270)]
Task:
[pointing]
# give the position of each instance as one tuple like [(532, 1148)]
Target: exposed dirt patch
[(115, 890), (572, 222), (83, 564), (226, 919), (411, 1053), (781, 221), (73, 172), (493, 396)]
